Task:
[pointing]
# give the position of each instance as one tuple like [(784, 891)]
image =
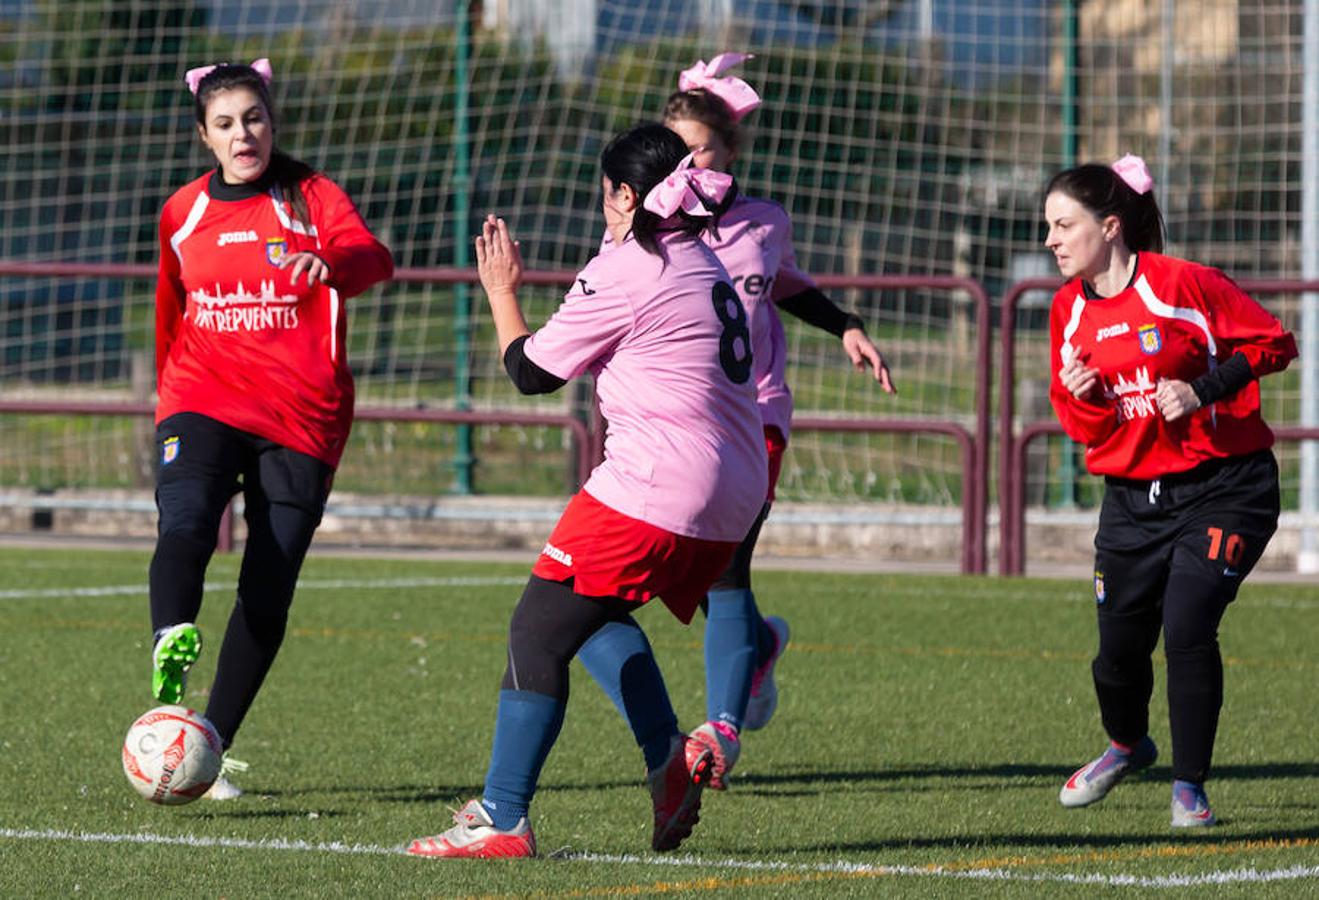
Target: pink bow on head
[(736, 93), (1135, 173), (683, 189), (194, 77)]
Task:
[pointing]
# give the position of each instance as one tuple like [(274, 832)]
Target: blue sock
[(526, 727), (766, 640), (619, 658), (731, 650)]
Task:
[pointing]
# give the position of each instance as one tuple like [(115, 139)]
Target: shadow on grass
[(1255, 772), (1060, 841), (253, 814), (811, 782), (398, 793)]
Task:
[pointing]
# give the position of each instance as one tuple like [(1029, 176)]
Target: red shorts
[(608, 554), (775, 443)]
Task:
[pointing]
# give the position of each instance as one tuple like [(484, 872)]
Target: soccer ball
[(172, 755)]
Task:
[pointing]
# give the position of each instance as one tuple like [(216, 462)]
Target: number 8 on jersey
[(733, 316)]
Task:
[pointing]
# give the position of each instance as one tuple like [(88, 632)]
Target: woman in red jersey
[(1156, 363), (256, 259)]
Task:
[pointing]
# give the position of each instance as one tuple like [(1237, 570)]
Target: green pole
[(1071, 31), (463, 460)]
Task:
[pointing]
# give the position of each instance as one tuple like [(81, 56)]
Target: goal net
[(903, 137)]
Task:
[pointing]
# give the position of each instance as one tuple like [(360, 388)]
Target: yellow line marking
[(1167, 851), (1163, 851)]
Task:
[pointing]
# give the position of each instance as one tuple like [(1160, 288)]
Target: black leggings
[(549, 626), (284, 494), (1170, 556), (738, 574)]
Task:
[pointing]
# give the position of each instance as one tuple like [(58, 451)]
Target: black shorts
[(202, 463), (1210, 524)]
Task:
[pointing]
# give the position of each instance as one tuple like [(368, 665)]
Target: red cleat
[(675, 791)]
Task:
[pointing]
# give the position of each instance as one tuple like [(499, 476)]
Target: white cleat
[(1092, 782), (1190, 807), (223, 788)]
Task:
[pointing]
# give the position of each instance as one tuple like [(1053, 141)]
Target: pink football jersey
[(754, 242), (667, 343)]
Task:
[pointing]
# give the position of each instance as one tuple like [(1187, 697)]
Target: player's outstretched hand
[(305, 261), (498, 258), (1175, 399), (865, 355)]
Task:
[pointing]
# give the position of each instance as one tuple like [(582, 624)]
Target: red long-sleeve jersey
[(235, 339), (1176, 320)]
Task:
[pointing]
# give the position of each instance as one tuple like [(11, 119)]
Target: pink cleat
[(764, 692), (474, 836), (724, 745)]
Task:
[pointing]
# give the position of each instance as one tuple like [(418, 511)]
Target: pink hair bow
[(736, 93), (1135, 173), (683, 189), (194, 76)]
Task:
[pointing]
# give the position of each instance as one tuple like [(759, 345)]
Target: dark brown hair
[(641, 158), (1103, 192), (285, 171)]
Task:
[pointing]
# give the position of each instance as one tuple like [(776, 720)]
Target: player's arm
[(795, 292), (1075, 391), (170, 298), (1254, 340), (1242, 326), (351, 258), (499, 263), (528, 377), (814, 308), (587, 326)]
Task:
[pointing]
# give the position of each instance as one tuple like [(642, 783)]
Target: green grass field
[(925, 727)]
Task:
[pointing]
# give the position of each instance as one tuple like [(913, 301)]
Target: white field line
[(1232, 876), (310, 584)]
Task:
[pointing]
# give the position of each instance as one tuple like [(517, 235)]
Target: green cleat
[(176, 651)]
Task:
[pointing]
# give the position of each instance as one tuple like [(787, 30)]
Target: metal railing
[(974, 444)]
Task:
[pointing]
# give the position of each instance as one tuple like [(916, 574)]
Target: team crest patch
[(1151, 341), (169, 451), (276, 250), (1099, 587)]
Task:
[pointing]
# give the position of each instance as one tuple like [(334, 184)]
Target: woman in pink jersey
[(655, 321), (1156, 363), (754, 242), (256, 259)]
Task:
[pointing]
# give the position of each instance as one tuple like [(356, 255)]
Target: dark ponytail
[(641, 158), (284, 171), (1104, 193)]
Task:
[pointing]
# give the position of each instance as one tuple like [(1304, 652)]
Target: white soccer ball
[(172, 755)]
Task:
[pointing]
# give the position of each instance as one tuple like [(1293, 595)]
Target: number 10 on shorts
[(1235, 546)]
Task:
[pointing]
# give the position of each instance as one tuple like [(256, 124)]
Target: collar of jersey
[(219, 189), (1089, 289)]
